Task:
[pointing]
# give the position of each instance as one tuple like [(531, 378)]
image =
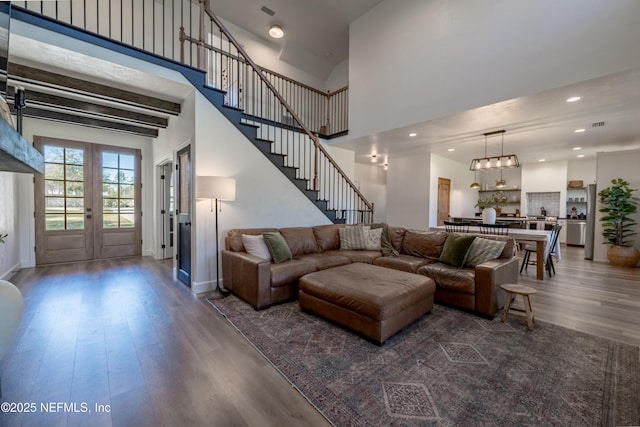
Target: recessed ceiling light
[(451, 149), (580, 130), (413, 134), (574, 99), (542, 160), (580, 155), (276, 32), (577, 148)]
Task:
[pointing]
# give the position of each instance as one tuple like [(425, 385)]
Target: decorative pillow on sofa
[(256, 246), (455, 249), (353, 238), (278, 247), (373, 239), (483, 250)]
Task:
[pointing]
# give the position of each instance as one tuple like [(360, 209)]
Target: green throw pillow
[(483, 250), (278, 247), (455, 249)]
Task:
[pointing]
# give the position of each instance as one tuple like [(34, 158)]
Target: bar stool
[(512, 290)]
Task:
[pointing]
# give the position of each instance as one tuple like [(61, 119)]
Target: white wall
[(582, 170), (426, 59), (612, 166), (339, 77), (545, 177), (264, 196), (408, 183), (371, 180)]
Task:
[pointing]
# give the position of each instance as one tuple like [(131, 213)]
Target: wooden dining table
[(540, 237)]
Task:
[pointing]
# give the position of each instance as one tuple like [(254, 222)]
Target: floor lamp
[(216, 188)]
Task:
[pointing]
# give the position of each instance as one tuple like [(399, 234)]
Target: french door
[(87, 202)]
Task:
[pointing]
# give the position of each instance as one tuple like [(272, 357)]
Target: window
[(64, 188), (118, 190)]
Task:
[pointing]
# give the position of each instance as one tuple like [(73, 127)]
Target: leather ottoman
[(371, 300)]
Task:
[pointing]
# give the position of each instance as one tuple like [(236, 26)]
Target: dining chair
[(499, 228), (550, 252), (456, 226)]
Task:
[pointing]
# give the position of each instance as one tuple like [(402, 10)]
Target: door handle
[(187, 223)]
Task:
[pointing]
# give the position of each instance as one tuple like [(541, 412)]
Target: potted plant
[(618, 203), (485, 204), (499, 199)]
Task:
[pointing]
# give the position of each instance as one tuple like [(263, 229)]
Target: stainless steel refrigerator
[(591, 221)]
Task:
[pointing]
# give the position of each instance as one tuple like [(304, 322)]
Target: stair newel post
[(202, 53), (181, 38), (316, 154)]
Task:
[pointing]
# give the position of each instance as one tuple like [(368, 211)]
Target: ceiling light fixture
[(574, 99), (276, 31), (580, 156), (580, 130), (577, 148), (451, 149), (542, 160), (475, 185), (413, 134), (495, 162)]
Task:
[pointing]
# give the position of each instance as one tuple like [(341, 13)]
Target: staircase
[(240, 89), (235, 85)]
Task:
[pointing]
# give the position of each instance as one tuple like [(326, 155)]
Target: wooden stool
[(512, 290)]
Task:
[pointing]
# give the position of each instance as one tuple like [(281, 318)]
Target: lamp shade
[(215, 187)]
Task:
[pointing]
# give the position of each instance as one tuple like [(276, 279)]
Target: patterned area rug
[(449, 368)]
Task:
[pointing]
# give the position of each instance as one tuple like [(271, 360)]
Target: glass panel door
[(64, 230)]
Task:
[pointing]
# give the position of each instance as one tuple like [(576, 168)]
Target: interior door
[(63, 202), (166, 209), (87, 202), (444, 191), (183, 213)]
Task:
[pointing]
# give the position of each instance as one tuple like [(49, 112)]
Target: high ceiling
[(316, 31), (539, 126)]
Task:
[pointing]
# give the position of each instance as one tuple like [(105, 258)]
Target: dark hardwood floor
[(124, 335)]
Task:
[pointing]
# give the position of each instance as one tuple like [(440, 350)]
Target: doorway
[(166, 201), (444, 197), (183, 214), (87, 202)]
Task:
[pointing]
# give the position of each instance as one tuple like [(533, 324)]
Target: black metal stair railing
[(153, 26), (264, 97), (248, 89)]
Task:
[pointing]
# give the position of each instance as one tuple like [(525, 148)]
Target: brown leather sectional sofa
[(262, 283)]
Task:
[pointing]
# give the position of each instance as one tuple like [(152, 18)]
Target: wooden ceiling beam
[(19, 72), (58, 116), (56, 102)]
